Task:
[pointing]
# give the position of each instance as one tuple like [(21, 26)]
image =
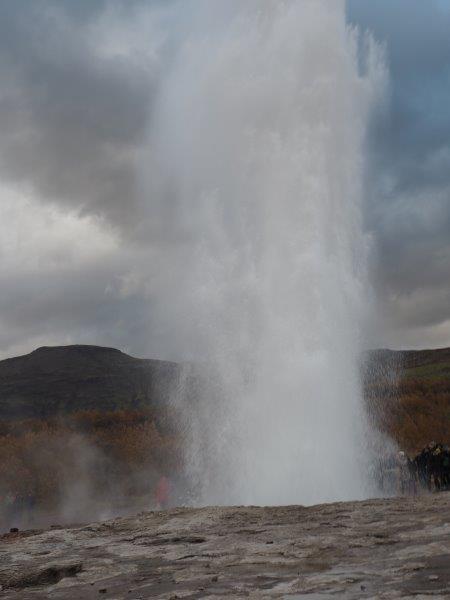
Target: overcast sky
[(77, 81)]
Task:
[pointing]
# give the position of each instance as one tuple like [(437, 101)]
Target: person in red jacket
[(162, 492)]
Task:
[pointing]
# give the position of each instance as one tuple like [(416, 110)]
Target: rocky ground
[(397, 548)]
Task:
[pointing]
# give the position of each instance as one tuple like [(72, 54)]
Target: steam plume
[(255, 172)]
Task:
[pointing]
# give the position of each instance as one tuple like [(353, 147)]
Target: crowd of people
[(428, 470)]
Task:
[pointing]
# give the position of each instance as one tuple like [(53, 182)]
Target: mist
[(253, 185), (83, 467)]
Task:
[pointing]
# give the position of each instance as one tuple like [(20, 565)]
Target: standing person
[(412, 476), (402, 473), (431, 465), (162, 493), (446, 467), (421, 461), (437, 466)]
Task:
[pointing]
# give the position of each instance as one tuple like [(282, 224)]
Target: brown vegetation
[(408, 395), (413, 414), (89, 456), (78, 463)]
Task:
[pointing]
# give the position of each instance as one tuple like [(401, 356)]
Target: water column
[(255, 170)]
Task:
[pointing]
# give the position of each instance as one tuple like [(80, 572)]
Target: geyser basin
[(255, 176)]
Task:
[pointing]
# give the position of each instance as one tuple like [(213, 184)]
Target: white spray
[(255, 175)]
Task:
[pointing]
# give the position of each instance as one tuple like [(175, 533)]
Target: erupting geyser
[(255, 175)]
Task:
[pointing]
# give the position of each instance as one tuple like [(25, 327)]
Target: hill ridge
[(53, 380)]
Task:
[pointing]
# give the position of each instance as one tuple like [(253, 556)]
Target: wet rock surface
[(397, 548)]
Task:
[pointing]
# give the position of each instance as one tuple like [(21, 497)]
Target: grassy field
[(408, 394)]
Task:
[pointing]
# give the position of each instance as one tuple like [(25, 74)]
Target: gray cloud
[(409, 207), (77, 86), (74, 102)]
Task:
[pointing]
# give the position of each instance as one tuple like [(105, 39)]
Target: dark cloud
[(72, 114), (78, 80), (409, 208)]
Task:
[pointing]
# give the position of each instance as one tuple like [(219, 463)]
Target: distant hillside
[(422, 365), (119, 433), (408, 393), (65, 379)]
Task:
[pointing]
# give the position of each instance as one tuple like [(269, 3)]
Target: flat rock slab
[(396, 548)]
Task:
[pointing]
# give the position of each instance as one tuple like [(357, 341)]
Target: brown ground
[(396, 548)]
